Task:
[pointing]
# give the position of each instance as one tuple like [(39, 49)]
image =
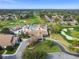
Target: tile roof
[(7, 40)]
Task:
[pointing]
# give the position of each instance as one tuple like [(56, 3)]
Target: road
[(63, 48), (61, 55)]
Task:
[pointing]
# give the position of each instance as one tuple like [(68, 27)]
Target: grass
[(1, 51), (74, 33), (9, 24), (76, 28), (68, 44), (21, 22), (60, 38), (46, 46), (35, 20), (11, 52)]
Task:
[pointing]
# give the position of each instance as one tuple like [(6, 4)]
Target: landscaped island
[(46, 47)]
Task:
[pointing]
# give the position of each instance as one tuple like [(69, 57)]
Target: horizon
[(39, 4), (38, 8)]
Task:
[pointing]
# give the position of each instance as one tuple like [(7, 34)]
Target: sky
[(39, 4)]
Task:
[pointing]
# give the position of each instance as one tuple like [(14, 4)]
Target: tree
[(10, 48), (1, 48), (55, 27), (22, 35), (6, 31), (77, 18), (77, 50), (34, 54)]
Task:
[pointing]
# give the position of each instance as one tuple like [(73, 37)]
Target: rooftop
[(7, 40)]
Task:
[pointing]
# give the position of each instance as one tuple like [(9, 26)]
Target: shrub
[(34, 54), (22, 35), (77, 50), (1, 51), (55, 27), (1, 48), (75, 34), (10, 48), (6, 31)]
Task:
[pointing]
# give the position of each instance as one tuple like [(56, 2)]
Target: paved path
[(61, 55), (63, 48), (18, 53), (21, 49)]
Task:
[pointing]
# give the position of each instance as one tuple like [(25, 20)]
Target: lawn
[(35, 20), (1, 51), (13, 23), (21, 22), (12, 50), (47, 46), (60, 38), (9, 49), (74, 33), (70, 45)]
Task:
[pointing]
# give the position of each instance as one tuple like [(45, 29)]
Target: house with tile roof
[(36, 30), (32, 30), (8, 40)]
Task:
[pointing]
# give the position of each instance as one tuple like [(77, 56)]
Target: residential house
[(37, 34), (47, 18), (55, 18), (32, 30), (68, 21), (36, 30), (8, 40), (52, 19), (8, 17), (16, 30)]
